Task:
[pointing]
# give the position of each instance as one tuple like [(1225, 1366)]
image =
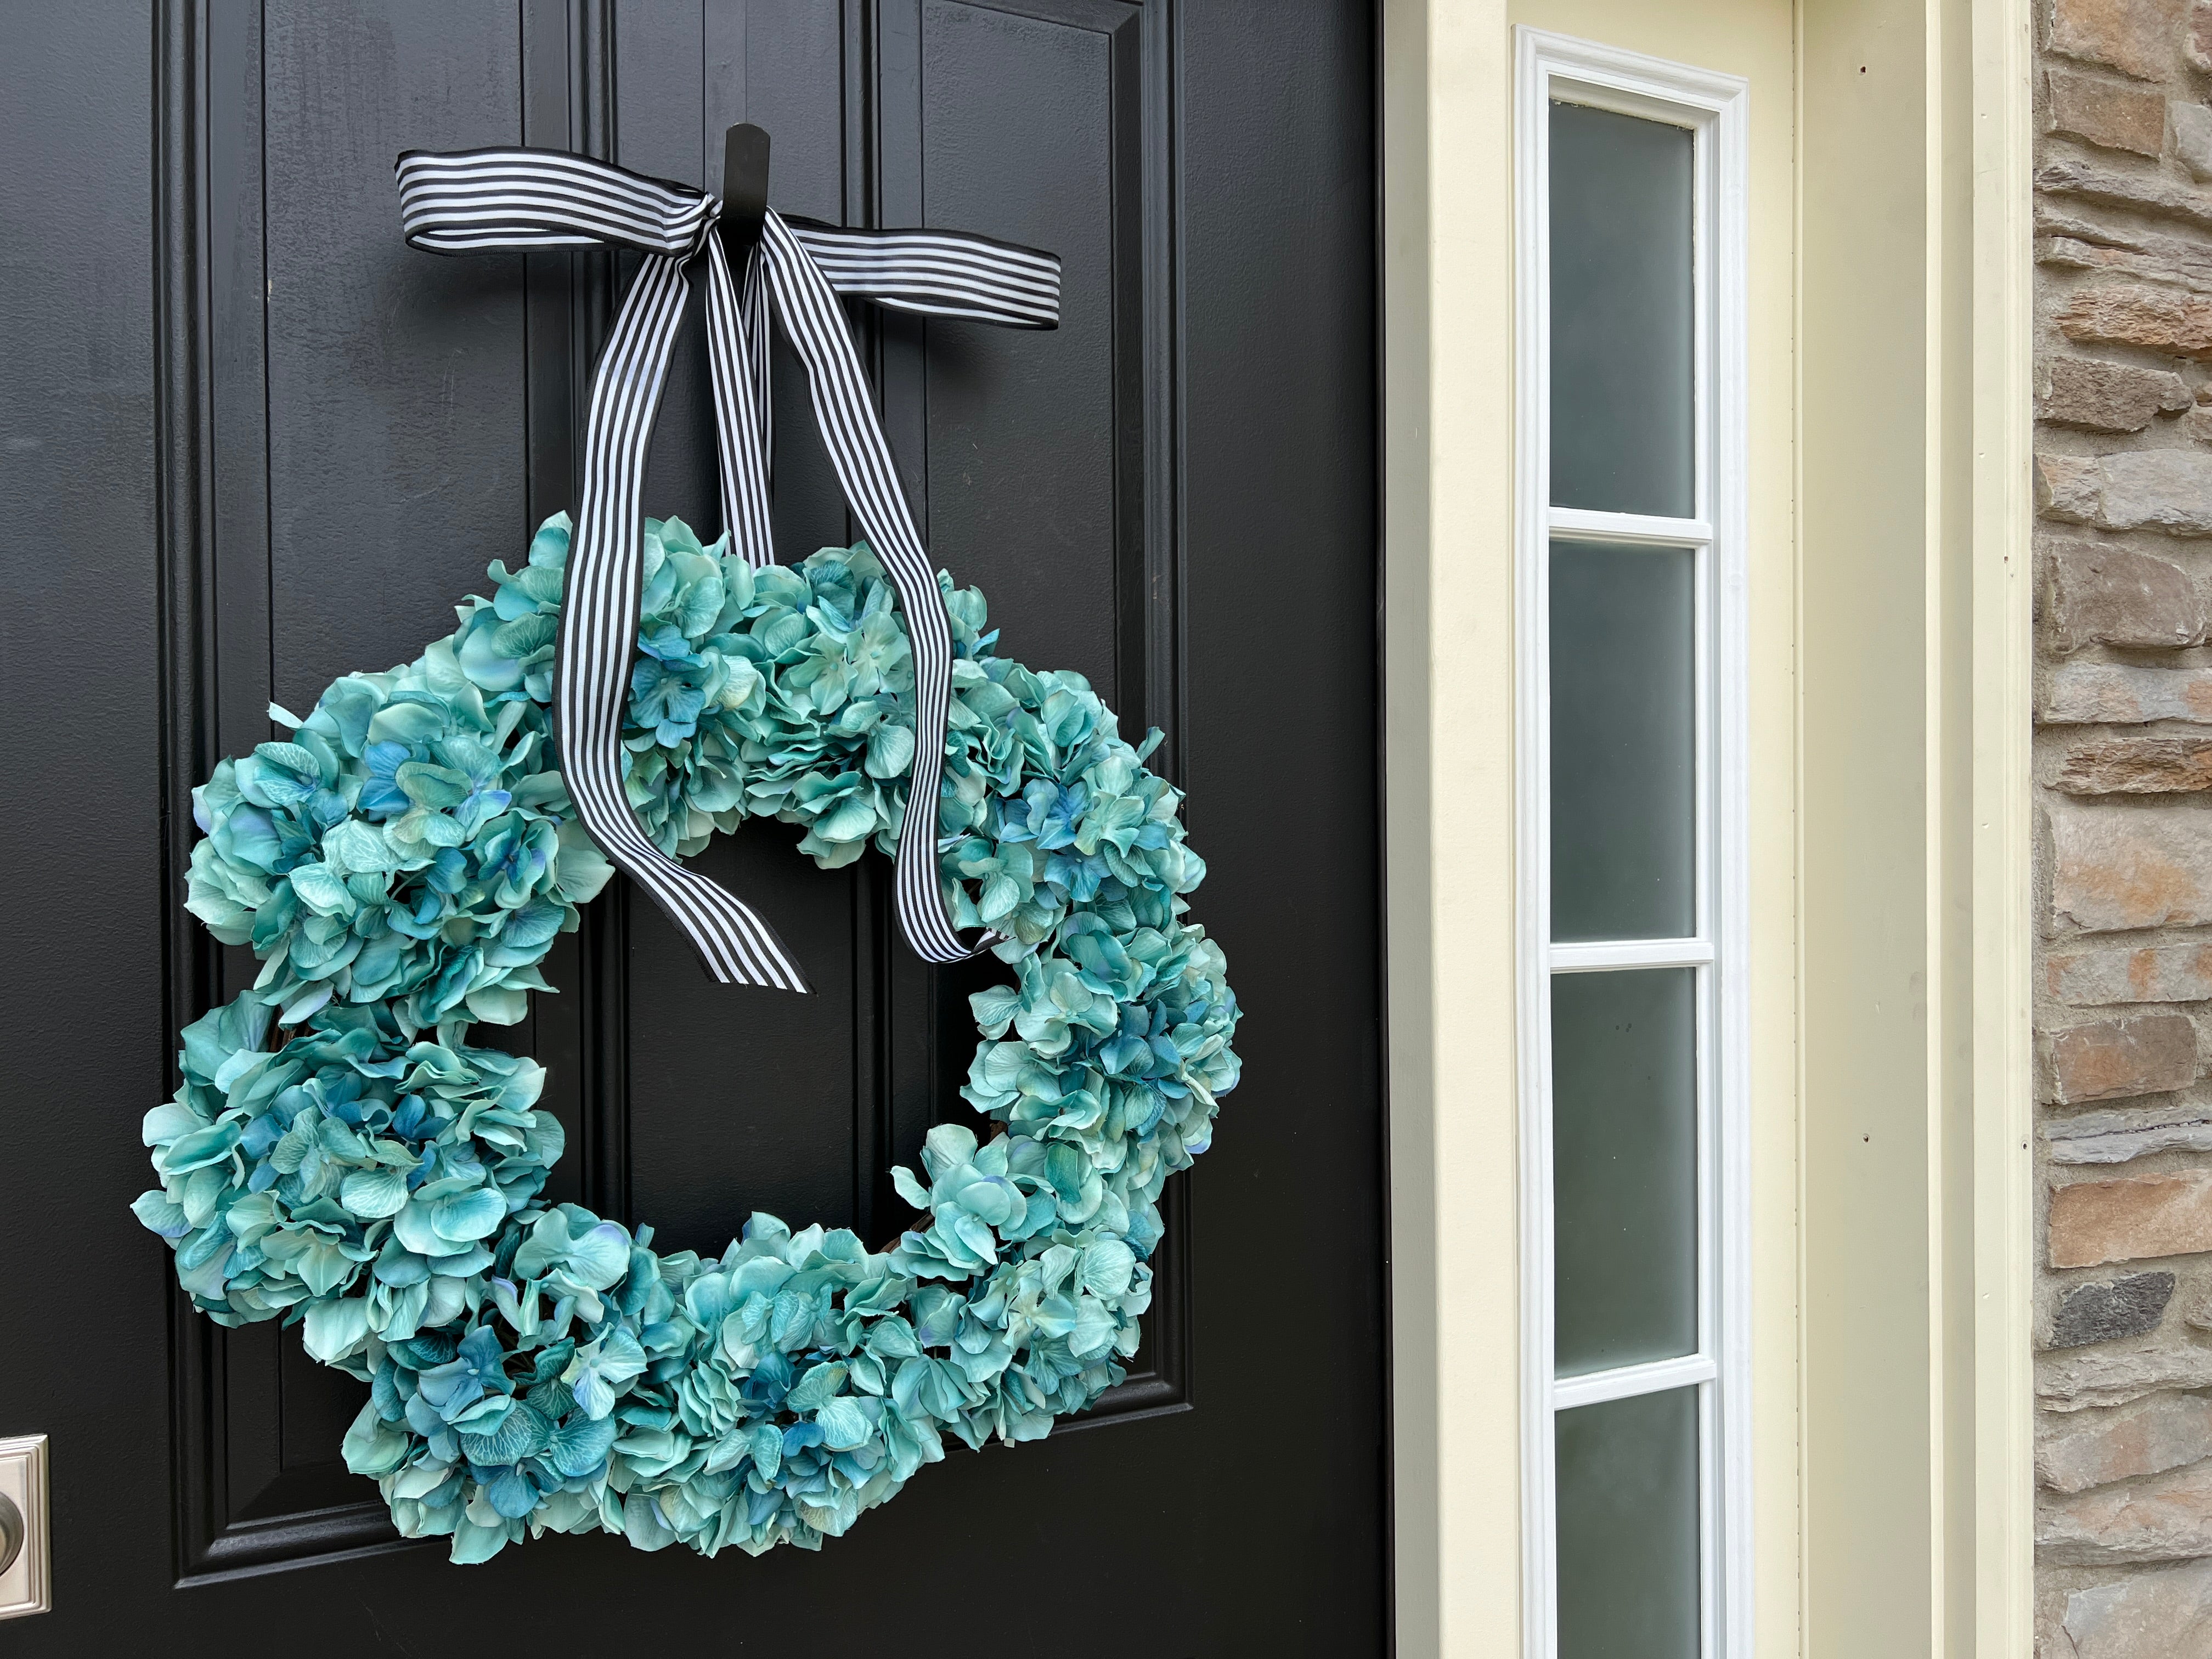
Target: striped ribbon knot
[(524, 200)]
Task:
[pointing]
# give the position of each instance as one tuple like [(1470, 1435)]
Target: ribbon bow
[(525, 200)]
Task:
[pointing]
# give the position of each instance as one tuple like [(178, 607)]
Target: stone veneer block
[(2165, 1517), (2131, 1133), (2095, 1448), (2080, 1379), (2135, 314), (2168, 490), (2112, 1058), (2109, 113), (2106, 1312), (2129, 1219), (2192, 137), (2118, 694), (2162, 259), (2136, 37), (2104, 595), (2144, 867), (2105, 397), (2147, 192), (2115, 973), (2135, 766), (2164, 1614)]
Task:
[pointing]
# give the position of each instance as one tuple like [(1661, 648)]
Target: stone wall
[(2124, 773)]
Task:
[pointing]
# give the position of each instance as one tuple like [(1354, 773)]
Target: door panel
[(1172, 494), (1034, 452)]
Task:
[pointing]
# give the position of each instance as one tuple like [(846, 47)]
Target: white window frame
[(1715, 107)]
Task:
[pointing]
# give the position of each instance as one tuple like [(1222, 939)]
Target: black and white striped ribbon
[(526, 200)]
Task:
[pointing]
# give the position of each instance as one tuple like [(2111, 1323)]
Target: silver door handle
[(11, 1532)]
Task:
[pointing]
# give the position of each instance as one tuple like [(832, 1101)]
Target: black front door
[(251, 442)]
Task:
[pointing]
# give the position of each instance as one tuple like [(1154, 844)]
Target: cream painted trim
[(1916, 829), (2003, 825), (1448, 665)]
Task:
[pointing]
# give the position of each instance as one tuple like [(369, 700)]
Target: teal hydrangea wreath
[(402, 863)]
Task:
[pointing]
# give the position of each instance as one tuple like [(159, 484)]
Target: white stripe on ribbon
[(527, 200)]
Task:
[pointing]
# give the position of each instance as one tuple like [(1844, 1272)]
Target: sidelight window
[(1630, 236)]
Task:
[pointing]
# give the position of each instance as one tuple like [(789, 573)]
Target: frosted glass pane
[(1624, 744), (1628, 1528), (1624, 1168), (1622, 411)]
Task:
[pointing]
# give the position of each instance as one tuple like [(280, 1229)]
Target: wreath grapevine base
[(402, 863)]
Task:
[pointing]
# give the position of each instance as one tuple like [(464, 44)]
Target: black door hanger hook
[(745, 192)]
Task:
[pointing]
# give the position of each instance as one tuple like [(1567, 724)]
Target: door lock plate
[(26, 1584)]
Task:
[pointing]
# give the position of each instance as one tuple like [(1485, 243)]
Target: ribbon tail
[(598, 634), (752, 309), (843, 408), (739, 437)]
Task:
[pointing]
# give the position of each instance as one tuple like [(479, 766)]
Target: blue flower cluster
[(354, 1168), (338, 1155)]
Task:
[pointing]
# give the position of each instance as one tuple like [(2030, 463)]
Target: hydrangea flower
[(339, 1156), (352, 1166)]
